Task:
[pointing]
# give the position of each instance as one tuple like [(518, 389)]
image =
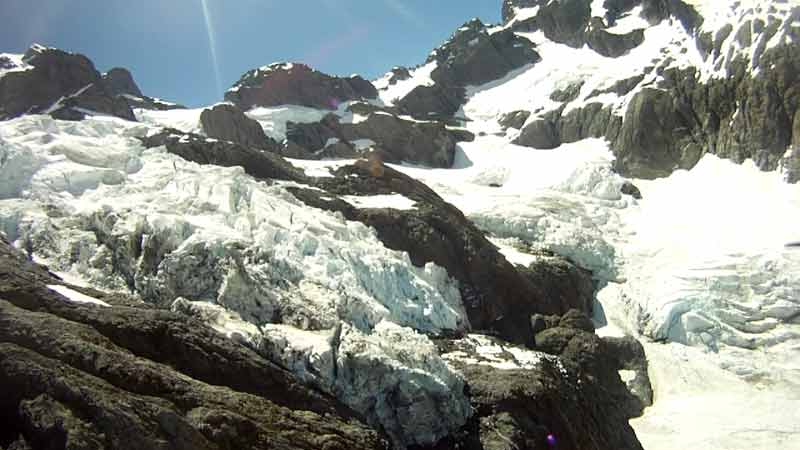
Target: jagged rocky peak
[(297, 84), (48, 80), (701, 77), (474, 56), (120, 81)]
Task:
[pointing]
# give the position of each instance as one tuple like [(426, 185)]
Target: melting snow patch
[(75, 296), (393, 201)]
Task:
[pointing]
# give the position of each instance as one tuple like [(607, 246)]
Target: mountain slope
[(625, 160)]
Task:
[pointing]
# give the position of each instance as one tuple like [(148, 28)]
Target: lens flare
[(212, 44)]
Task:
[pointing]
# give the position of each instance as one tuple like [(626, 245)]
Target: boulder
[(432, 102), (613, 45), (629, 188), (296, 84), (514, 119), (78, 375), (540, 134), (563, 281), (229, 123), (567, 94)]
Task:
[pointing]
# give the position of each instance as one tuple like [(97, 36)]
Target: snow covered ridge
[(90, 201)]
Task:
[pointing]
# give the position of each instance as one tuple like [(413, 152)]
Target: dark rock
[(514, 409), (628, 354), (297, 84), (472, 56), (428, 143), (94, 99), (592, 121), (83, 376), (398, 74), (737, 117), (515, 119), (615, 9), (657, 10), (629, 188), (119, 81), (647, 146), (613, 45), (564, 22), (567, 94), (563, 281), (57, 76), (432, 102), (313, 136), (539, 134), (577, 320), (229, 123), (259, 164)]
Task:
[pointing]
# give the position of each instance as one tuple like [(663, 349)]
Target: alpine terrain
[(575, 229)]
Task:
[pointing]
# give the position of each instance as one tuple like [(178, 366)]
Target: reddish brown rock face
[(297, 84)]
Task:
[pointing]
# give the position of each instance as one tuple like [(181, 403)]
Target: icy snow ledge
[(392, 375), (76, 297), (483, 350), (393, 201)]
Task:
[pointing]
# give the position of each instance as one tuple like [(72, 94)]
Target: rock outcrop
[(229, 123), (257, 163), (296, 84), (399, 140), (82, 375), (528, 399), (472, 56), (119, 81)]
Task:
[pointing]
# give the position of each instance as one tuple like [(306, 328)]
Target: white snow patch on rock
[(75, 296)]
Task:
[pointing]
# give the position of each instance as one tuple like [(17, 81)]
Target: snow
[(241, 254), (393, 201), (75, 296), (420, 76), (186, 120), (12, 62), (478, 349)]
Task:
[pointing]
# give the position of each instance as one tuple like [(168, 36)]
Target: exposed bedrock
[(57, 75), (398, 140), (88, 376), (229, 123), (297, 84)]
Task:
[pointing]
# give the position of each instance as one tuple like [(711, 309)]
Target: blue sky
[(165, 43)]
